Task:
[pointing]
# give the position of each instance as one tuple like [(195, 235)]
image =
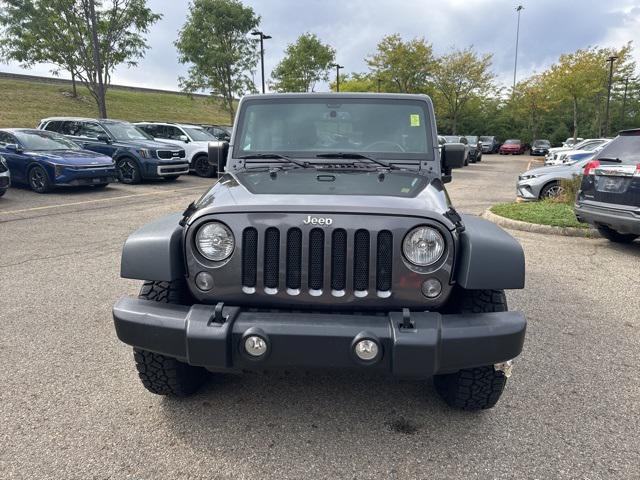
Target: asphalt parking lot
[(71, 405)]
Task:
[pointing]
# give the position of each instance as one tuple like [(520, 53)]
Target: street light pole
[(338, 67), (519, 9), (611, 59), (263, 37)]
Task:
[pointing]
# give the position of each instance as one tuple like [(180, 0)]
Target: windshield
[(624, 147), (541, 143), (486, 139), (126, 131), (471, 138), (452, 139), (40, 140), (306, 127), (199, 134), (512, 142)]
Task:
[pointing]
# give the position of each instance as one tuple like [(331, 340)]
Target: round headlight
[(423, 246), (215, 241)]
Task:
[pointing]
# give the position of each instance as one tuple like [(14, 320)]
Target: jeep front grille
[(318, 260)]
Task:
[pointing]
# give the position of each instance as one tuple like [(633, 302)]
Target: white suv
[(194, 139)]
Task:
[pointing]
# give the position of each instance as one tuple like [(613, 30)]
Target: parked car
[(546, 182), (489, 144), (609, 196), (5, 176), (138, 156), (475, 148), (559, 156), (570, 142), (44, 160), (221, 132), (194, 139), (315, 254), (462, 140), (540, 147), (512, 147)]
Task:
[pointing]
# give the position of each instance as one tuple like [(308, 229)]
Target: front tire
[(477, 388), (128, 171), (551, 190), (617, 237), (158, 373), (39, 180)]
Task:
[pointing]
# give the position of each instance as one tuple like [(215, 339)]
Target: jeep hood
[(398, 193)]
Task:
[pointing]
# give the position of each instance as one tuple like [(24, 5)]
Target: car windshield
[(625, 147), (306, 127), (126, 131), (486, 139), (512, 142), (471, 138), (199, 134), (452, 139), (41, 140), (541, 143)]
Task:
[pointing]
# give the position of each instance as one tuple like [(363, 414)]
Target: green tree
[(356, 82), (306, 62), (214, 41), (532, 102), (402, 66), (458, 77), (88, 38)]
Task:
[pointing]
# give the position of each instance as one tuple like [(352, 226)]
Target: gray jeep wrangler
[(330, 242)]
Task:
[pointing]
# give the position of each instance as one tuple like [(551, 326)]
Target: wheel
[(39, 179), (551, 190), (617, 237), (128, 171), (202, 167), (2, 192), (160, 374), (473, 388)]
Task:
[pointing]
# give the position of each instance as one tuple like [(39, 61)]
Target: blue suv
[(138, 156)]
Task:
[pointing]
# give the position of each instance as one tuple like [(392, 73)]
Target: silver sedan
[(545, 182)]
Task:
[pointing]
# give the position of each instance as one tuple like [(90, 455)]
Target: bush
[(570, 189)]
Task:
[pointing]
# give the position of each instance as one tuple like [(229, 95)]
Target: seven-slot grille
[(308, 256)]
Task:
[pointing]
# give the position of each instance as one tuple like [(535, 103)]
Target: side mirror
[(183, 138), (218, 155), (103, 138), (13, 147), (452, 156)]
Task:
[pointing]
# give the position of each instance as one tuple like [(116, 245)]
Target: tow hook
[(504, 367)]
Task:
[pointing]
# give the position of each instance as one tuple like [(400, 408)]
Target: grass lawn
[(545, 213), (23, 103)]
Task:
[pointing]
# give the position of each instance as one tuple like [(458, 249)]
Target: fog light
[(204, 281), (255, 346), (366, 350), (431, 288)]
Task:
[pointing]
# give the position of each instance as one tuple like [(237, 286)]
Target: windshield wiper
[(274, 156), (607, 159), (357, 156)]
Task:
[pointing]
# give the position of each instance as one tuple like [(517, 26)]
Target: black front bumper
[(433, 344)]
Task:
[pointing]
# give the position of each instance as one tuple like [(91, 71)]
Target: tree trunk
[(575, 119), (454, 123), (100, 90), (73, 84)]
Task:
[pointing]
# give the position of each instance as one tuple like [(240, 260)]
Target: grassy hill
[(24, 102)]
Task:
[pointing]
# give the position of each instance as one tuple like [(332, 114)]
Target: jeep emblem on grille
[(318, 221)]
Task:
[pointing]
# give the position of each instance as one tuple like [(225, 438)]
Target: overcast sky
[(354, 27)]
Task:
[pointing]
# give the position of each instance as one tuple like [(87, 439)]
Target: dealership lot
[(72, 407)]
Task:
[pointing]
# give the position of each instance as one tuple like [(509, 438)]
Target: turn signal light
[(591, 166)]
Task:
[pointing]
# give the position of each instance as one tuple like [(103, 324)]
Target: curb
[(537, 228)]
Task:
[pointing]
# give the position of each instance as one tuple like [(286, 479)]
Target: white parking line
[(99, 200)]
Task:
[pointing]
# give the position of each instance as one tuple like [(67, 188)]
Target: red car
[(512, 147)]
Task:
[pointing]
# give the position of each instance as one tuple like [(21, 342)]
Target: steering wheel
[(395, 146)]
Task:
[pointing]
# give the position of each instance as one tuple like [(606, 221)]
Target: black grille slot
[(361, 260), (339, 260), (249, 257), (271, 257), (316, 259), (294, 258), (384, 261)]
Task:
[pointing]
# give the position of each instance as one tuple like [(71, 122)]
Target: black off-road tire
[(160, 374), (473, 388), (614, 236), (202, 167)]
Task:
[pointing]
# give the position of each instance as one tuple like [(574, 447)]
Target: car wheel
[(202, 167), (158, 373), (2, 192), (473, 388), (128, 171), (617, 237), (39, 180), (552, 190)]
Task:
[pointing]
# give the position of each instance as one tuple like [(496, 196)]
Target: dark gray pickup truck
[(330, 242)]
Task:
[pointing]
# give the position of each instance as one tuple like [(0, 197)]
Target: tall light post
[(519, 9), (611, 59), (263, 37), (338, 67)]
